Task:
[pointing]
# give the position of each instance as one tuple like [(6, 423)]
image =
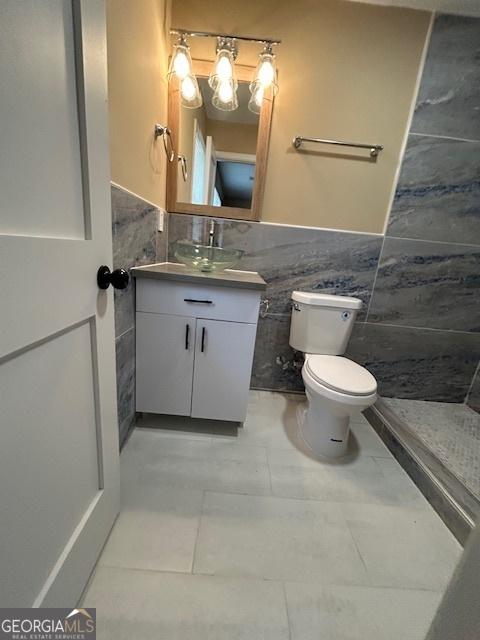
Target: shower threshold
[(455, 503)]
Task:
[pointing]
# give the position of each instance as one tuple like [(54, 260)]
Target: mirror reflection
[(217, 152)]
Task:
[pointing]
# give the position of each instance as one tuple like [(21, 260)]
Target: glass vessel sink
[(205, 258)]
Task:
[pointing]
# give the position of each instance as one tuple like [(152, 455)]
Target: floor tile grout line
[(175, 572), (279, 581), (269, 470), (335, 503), (198, 532), (357, 549), (284, 589)]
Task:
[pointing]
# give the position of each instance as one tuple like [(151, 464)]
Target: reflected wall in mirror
[(221, 154)]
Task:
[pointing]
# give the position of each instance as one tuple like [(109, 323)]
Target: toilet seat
[(340, 375)]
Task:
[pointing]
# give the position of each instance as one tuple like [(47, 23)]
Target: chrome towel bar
[(374, 148)]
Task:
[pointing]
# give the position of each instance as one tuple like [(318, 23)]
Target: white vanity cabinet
[(194, 348)]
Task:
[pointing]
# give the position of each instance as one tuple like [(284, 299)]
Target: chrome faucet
[(211, 234)]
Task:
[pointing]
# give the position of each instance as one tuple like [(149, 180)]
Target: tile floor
[(249, 537), (451, 431)]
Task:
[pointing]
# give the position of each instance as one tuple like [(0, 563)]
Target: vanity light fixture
[(222, 79), (223, 67), (265, 78), (181, 67)]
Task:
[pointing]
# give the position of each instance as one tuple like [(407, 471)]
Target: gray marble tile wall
[(422, 336), (419, 332), (135, 242)]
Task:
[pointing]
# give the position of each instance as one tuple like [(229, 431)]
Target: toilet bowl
[(337, 388)]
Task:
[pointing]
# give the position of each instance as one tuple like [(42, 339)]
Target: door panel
[(37, 64), (222, 372), (49, 491), (164, 369), (59, 478)]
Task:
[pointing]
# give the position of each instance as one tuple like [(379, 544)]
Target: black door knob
[(119, 278)]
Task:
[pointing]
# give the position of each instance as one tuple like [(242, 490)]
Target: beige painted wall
[(346, 71), (138, 50), (233, 136)]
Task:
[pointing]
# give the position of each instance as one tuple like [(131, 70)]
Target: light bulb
[(225, 96), (188, 89), (224, 68), (225, 91), (256, 100), (266, 73), (258, 96), (181, 65)]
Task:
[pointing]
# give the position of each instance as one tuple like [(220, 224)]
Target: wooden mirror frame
[(243, 73)]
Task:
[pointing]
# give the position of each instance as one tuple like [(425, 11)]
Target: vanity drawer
[(199, 301)]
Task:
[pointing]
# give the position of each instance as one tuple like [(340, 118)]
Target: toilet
[(336, 387)]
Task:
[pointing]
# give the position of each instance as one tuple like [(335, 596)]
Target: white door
[(59, 481), (223, 365), (165, 352), (210, 171), (198, 165)]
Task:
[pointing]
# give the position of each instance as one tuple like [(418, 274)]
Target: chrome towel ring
[(164, 132)]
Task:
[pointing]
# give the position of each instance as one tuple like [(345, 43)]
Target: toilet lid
[(341, 374)]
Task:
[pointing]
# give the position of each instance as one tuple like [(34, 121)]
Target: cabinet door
[(165, 351), (223, 364)]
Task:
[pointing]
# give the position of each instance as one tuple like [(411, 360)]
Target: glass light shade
[(181, 62), (225, 96), (266, 73), (256, 99), (190, 93), (222, 69)]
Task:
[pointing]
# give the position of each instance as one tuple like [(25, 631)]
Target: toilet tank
[(322, 323)]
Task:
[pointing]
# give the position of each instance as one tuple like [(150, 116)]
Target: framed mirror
[(221, 155)]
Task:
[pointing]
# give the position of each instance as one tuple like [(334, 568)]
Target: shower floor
[(451, 431)]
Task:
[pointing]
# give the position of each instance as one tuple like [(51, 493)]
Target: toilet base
[(325, 433)]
